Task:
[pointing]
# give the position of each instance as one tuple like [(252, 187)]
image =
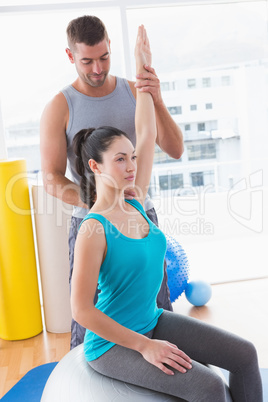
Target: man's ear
[(94, 166), (70, 55)]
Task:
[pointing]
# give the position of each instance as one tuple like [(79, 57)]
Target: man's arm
[(53, 148), (169, 136)]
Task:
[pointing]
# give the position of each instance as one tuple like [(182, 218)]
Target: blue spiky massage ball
[(177, 268)]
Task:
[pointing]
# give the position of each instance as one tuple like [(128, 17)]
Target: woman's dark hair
[(90, 144)]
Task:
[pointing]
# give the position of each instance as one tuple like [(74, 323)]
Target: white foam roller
[(74, 380), (52, 221)]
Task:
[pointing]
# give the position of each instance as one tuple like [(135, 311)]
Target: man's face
[(92, 62)]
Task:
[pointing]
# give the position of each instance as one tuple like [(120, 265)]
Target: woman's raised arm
[(145, 121)]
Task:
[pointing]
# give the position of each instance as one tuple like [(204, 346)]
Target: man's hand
[(149, 82), (129, 194)]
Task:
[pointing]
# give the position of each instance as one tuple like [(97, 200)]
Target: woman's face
[(119, 165)]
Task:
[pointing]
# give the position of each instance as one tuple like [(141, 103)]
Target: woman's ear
[(94, 166)]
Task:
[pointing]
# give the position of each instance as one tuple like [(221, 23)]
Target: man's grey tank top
[(116, 110)]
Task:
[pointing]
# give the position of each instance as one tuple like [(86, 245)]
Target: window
[(187, 127), (175, 109), (197, 179), (23, 142), (204, 178), (204, 150), (226, 80), (171, 181), (167, 86), (162, 157), (164, 86), (193, 107), (206, 82), (191, 83), (201, 127), (208, 105)]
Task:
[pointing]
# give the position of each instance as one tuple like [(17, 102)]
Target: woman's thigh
[(200, 341), (200, 384)]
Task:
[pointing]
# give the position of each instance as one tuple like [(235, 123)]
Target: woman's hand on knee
[(163, 353)]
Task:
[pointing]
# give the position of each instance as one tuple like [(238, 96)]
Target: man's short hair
[(87, 29)]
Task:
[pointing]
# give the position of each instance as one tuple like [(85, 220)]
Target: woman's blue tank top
[(130, 278)]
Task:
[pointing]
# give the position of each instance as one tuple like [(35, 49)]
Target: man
[(96, 98)]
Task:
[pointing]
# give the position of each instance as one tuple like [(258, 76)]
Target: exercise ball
[(74, 380), (177, 268), (198, 293)]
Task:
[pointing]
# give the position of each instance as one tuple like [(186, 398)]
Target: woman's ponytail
[(87, 183)]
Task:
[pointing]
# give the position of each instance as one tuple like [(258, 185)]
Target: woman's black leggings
[(204, 344)]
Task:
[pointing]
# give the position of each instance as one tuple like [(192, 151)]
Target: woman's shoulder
[(91, 236), (92, 224)]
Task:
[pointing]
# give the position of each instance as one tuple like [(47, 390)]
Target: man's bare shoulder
[(57, 103), (56, 112)]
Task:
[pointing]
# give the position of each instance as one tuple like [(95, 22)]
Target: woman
[(122, 250)]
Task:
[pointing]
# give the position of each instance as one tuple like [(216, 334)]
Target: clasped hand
[(161, 353), (143, 53)]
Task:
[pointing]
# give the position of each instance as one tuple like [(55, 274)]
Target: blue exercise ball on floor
[(177, 268), (198, 293)]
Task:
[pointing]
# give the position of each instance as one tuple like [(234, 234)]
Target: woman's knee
[(247, 354), (204, 385), (251, 351)]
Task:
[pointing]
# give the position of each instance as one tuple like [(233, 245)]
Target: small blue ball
[(198, 293)]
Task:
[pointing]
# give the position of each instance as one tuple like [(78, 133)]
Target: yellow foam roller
[(20, 311)]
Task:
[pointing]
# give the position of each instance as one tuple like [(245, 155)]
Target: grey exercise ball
[(74, 380)]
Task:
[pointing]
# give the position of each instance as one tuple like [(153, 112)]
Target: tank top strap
[(98, 217), (136, 204)]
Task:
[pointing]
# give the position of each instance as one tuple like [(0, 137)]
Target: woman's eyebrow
[(123, 153)]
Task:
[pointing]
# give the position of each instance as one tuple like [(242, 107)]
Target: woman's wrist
[(142, 343), (140, 68)]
